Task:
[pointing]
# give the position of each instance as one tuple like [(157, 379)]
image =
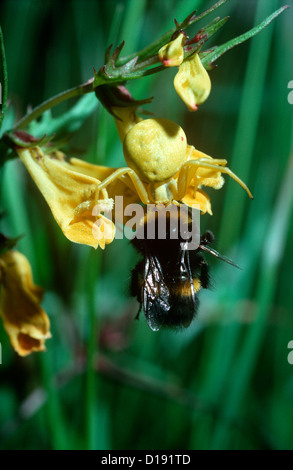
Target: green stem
[(53, 408), (87, 87), (146, 57), (51, 102), (91, 382), (147, 62), (153, 48)]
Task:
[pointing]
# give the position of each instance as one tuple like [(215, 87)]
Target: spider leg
[(196, 155), (137, 315), (138, 184), (216, 161), (183, 181), (187, 175)]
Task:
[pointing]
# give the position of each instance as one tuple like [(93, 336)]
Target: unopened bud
[(172, 54), (192, 82)]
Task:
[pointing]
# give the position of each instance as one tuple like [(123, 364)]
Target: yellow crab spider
[(160, 163), (189, 169)]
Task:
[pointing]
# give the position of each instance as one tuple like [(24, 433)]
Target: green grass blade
[(134, 12), (220, 50), (246, 134), (272, 255), (91, 397)]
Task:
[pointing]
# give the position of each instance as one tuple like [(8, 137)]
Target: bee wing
[(215, 253), (156, 294), (168, 300)]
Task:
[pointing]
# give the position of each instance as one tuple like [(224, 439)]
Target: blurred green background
[(107, 381)]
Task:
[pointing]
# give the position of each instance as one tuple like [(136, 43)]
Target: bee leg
[(138, 312), (135, 288), (204, 274)]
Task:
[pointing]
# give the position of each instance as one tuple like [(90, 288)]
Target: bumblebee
[(167, 280)]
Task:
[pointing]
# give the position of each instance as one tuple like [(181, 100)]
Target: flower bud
[(172, 54), (192, 82)]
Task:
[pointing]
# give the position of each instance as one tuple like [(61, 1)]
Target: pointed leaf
[(156, 45), (208, 59)]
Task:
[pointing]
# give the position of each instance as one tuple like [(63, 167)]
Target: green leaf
[(3, 79), (217, 52), (25, 140), (69, 122), (204, 34), (54, 101), (156, 45), (44, 131)]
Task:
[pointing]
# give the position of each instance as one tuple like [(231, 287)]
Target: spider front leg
[(188, 170), (138, 184)]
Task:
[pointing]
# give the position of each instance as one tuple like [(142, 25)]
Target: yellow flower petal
[(24, 320), (70, 194), (117, 188), (204, 176), (95, 171), (103, 231), (192, 82), (198, 197), (172, 54)]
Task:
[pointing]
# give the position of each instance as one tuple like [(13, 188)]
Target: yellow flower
[(192, 82), (124, 188), (163, 168), (71, 195), (172, 54), (24, 320)]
